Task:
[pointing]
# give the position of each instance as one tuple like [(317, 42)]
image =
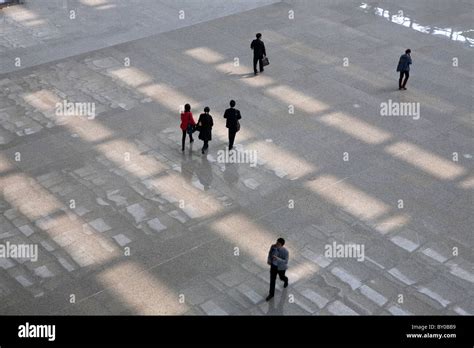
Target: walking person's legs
[(183, 140), (205, 146), (283, 277), (255, 59), (260, 62), (273, 275), (407, 75), (400, 80), (231, 139)]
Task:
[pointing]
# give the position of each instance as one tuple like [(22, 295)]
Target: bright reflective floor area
[(331, 155)]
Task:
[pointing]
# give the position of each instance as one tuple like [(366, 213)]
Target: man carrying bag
[(259, 53)]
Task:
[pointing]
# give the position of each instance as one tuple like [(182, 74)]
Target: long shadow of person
[(245, 75), (204, 173), (231, 174), (188, 167), (273, 308)]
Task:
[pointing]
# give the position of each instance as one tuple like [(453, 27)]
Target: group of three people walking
[(205, 124)]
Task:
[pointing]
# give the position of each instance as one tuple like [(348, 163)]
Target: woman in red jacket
[(187, 125)]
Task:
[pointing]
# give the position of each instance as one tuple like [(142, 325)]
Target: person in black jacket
[(404, 69), (232, 116), (259, 52), (205, 124)]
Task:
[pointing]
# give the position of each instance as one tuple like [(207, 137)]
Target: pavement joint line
[(138, 39), (251, 220), (145, 270), (442, 135)]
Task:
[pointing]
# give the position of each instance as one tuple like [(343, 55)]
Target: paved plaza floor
[(125, 223)]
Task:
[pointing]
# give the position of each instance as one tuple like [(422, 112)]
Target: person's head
[(408, 51), (187, 108), (206, 109), (232, 103), (280, 242), (258, 35)]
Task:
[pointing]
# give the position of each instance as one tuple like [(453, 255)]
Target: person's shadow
[(231, 174), (244, 76), (188, 167), (277, 309), (204, 173)]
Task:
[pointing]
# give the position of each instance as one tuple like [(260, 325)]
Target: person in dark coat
[(404, 69), (187, 123), (259, 52), (232, 117), (205, 124)]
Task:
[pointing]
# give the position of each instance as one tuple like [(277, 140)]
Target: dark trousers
[(183, 140), (402, 74), (206, 145), (273, 276), (260, 63), (232, 133)]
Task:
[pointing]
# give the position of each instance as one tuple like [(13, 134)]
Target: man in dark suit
[(404, 69), (259, 52), (232, 116)]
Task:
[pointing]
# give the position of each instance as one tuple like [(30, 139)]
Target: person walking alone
[(187, 125), (259, 52), (205, 124), (232, 117), (404, 69), (278, 260)]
